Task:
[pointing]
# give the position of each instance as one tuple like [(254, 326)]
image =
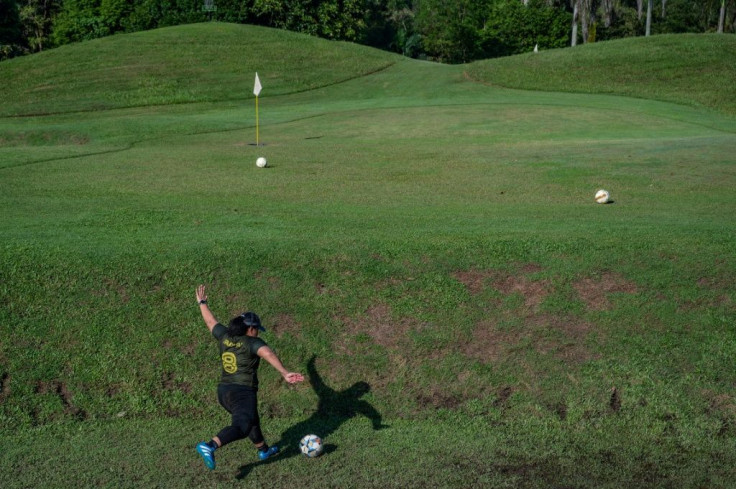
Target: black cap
[(252, 320)]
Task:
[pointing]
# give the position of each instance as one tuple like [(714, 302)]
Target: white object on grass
[(602, 196), (311, 446)]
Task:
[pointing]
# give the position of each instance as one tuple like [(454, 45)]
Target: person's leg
[(256, 436), (231, 400), (241, 403)]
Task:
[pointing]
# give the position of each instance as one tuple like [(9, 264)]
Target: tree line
[(450, 31)]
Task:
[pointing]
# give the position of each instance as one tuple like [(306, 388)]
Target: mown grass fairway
[(417, 229)]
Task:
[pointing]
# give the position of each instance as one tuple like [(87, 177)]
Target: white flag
[(257, 86)]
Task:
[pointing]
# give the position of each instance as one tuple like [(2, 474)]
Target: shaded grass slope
[(189, 63), (691, 69)]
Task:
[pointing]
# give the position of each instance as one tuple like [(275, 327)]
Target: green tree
[(35, 18), (513, 28), (113, 14), (10, 29), (78, 20), (450, 31)]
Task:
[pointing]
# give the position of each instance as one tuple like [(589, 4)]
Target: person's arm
[(267, 354), (209, 318)]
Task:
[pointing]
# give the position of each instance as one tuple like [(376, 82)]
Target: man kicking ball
[(241, 351)]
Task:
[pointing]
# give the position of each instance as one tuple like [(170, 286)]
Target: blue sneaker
[(207, 453), (264, 454)]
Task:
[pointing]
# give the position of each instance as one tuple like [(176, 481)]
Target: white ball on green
[(602, 196)]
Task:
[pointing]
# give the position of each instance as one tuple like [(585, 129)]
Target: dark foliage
[(452, 32)]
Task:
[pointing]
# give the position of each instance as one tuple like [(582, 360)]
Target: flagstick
[(256, 92)]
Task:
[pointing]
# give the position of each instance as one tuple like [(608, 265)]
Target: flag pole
[(257, 92)]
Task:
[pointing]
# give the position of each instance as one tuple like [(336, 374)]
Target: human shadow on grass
[(333, 409)]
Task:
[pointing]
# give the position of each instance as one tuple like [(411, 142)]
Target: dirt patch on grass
[(378, 323), (502, 396), (285, 324), (437, 399), (60, 389), (594, 291), (169, 383), (190, 349), (723, 408), (383, 329), (563, 337), (444, 396), (4, 387), (533, 291), (474, 280), (489, 343), (112, 390)]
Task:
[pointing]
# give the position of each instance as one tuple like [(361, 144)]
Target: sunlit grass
[(417, 231)]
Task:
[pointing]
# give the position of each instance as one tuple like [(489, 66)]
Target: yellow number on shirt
[(229, 362)]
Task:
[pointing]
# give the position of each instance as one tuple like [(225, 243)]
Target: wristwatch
[(203, 301)]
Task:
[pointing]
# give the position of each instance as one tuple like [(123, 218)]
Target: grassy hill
[(423, 247), (686, 69), (184, 64)]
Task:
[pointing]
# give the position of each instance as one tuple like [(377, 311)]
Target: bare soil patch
[(491, 344), (4, 386), (60, 389), (379, 324), (474, 280), (533, 291), (503, 395), (285, 324), (169, 383), (568, 346), (722, 407), (594, 291), (438, 400)]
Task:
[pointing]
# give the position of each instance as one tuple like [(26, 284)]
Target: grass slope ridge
[(692, 69), (190, 63)]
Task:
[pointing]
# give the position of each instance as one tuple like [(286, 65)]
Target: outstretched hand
[(293, 377), (201, 294)]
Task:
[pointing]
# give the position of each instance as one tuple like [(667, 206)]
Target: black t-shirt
[(239, 358)]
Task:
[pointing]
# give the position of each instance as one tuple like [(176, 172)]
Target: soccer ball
[(261, 162), (311, 446), (602, 196)]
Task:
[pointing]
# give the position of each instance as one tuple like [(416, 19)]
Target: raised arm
[(267, 354), (209, 318)]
